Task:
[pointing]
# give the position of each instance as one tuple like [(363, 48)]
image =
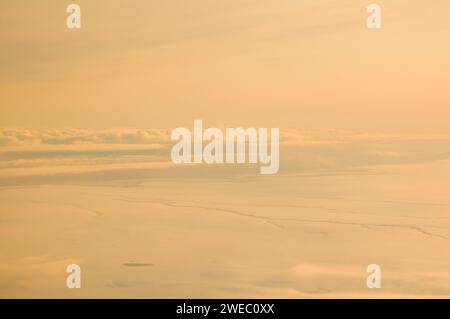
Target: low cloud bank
[(89, 156)]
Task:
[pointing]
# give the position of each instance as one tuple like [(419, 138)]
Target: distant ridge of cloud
[(79, 136), (92, 156)]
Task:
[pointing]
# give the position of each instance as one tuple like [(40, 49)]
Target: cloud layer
[(75, 156)]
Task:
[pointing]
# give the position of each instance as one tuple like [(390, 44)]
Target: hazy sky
[(86, 175), (266, 63)]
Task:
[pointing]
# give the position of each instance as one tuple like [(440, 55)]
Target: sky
[(86, 175), (153, 64)]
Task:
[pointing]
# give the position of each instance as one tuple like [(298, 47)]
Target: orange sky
[(86, 175), (265, 63)]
